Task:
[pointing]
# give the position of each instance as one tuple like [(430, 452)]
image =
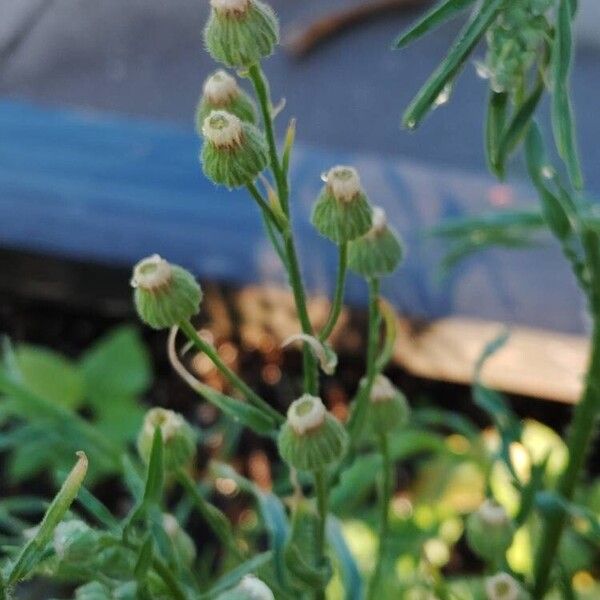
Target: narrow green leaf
[(494, 126), (156, 470), (55, 513), (97, 509), (390, 328), (351, 577), (517, 128), (537, 164), (445, 10), (241, 412), (452, 64), (144, 560), (563, 123)]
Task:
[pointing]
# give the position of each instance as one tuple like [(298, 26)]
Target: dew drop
[(547, 172), (443, 96)]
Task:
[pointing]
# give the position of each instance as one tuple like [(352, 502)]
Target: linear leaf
[(434, 18), (494, 126), (563, 123), (452, 64)]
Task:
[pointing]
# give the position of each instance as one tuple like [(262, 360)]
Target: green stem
[(233, 379), (264, 206), (362, 400), (169, 579), (336, 307), (579, 439), (321, 492), (261, 87), (387, 484)]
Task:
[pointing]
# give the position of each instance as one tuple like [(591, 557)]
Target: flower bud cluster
[(489, 531), (514, 42)]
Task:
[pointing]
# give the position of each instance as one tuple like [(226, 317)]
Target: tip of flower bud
[(343, 182), (379, 219), (222, 129), (220, 87), (255, 588), (306, 413), (170, 423), (383, 390), (151, 273), (502, 587), (230, 6), (493, 513)]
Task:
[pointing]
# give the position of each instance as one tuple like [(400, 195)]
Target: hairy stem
[(579, 439), (233, 379), (338, 298), (387, 484), (321, 492)]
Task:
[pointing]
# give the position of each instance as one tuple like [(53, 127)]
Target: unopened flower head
[(388, 408), (234, 151), (489, 531), (502, 587), (165, 295), (342, 212), (344, 183), (311, 437), (221, 88), (379, 251), (240, 33), (222, 129), (306, 413), (182, 542), (177, 436)]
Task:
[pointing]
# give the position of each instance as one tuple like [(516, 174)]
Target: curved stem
[(233, 379), (338, 298), (264, 206), (579, 439), (387, 483), (321, 492)]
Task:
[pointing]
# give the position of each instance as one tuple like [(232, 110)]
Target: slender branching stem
[(261, 87), (387, 487), (338, 298), (581, 433), (279, 222), (322, 494), (233, 379)]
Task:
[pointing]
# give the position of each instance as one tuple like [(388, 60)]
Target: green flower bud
[(489, 531), (377, 253), (239, 33), (74, 541), (249, 588), (178, 438), (342, 212), (388, 409), (183, 544), (234, 152), (503, 587), (311, 438), (165, 294), (221, 92)]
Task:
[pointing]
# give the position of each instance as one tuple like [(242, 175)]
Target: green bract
[(221, 92), (378, 252), (311, 438), (388, 408), (234, 152), (165, 295), (178, 438), (342, 212), (240, 33)]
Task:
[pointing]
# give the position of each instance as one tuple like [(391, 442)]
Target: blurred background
[(98, 159)]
